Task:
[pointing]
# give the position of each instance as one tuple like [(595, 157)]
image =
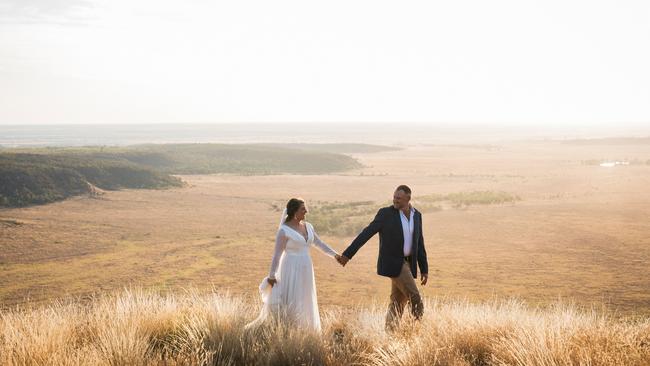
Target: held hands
[(343, 260)]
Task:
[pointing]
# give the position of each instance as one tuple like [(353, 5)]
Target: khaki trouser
[(403, 290)]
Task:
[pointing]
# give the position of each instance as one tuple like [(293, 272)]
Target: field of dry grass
[(144, 328), (577, 232)]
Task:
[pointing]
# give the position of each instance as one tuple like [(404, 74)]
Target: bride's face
[(301, 213)]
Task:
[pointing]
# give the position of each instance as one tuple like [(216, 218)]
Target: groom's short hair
[(404, 188)]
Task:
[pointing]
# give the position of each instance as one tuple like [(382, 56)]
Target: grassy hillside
[(27, 179), (235, 159), (342, 148), (140, 328), (37, 176)]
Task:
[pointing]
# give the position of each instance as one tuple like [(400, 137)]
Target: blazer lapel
[(398, 218), (417, 226)]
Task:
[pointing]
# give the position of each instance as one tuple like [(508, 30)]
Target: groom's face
[(400, 199)]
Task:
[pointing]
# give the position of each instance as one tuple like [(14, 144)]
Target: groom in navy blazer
[(401, 251)]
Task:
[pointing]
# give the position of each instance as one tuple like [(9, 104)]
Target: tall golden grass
[(137, 327)]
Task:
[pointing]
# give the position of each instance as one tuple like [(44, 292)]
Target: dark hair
[(404, 188), (292, 206)]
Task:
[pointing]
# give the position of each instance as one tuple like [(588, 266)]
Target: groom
[(401, 246)]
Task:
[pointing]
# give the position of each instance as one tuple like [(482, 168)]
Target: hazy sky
[(132, 61)]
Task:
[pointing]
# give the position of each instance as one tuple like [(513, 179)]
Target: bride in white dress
[(290, 288)]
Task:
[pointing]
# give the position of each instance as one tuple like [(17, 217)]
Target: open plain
[(578, 232)]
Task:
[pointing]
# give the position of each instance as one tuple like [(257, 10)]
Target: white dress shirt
[(407, 229)]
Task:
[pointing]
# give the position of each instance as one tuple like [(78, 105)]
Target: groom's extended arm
[(365, 235)]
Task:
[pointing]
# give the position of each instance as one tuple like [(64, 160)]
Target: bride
[(290, 289)]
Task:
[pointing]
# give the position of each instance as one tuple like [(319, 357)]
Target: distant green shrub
[(428, 207), (591, 162), (460, 199), (349, 218), (341, 219)]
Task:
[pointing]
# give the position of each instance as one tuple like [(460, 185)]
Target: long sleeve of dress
[(281, 240), (322, 245)]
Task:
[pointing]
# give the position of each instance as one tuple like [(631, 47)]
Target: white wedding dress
[(293, 297)]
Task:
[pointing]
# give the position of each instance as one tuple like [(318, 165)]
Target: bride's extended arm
[(323, 246), (280, 244)]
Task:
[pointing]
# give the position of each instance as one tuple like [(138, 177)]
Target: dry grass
[(146, 328)]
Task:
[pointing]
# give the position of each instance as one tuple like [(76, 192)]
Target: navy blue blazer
[(388, 224)]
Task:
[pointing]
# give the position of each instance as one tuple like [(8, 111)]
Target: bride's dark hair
[(292, 206)]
